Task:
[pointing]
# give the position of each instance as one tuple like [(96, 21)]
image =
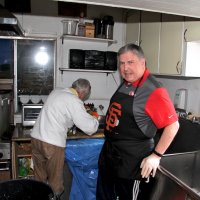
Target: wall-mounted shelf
[(72, 37), (86, 70)]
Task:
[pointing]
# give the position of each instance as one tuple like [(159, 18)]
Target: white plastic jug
[(180, 99)]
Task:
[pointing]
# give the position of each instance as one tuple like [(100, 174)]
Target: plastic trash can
[(82, 157), (25, 189)]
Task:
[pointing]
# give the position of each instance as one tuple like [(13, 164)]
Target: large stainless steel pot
[(4, 112), (70, 27)]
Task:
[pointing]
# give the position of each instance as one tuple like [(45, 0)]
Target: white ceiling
[(180, 7)]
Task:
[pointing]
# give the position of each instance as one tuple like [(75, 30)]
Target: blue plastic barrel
[(82, 158)]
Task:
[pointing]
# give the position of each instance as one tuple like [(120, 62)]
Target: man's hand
[(95, 114), (149, 165)]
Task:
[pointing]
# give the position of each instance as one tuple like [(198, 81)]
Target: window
[(6, 58), (35, 67)]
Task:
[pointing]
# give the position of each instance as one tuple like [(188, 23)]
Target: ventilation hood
[(9, 24)]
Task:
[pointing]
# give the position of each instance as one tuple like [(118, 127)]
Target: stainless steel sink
[(178, 177)]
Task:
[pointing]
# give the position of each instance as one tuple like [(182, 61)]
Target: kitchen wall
[(103, 85), (191, 84)]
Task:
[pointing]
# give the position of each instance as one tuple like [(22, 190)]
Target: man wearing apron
[(137, 109)]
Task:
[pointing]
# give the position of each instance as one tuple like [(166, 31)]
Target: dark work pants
[(113, 188)]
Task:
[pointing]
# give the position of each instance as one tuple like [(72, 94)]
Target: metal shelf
[(86, 70), (88, 39)]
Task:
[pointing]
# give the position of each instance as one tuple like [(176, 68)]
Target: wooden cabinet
[(171, 44), (143, 28), (21, 153), (133, 27), (192, 29), (21, 158), (150, 36), (161, 37)]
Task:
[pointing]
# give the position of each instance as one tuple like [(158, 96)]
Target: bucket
[(70, 27), (25, 189)]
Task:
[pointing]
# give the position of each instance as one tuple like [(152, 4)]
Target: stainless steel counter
[(178, 177)]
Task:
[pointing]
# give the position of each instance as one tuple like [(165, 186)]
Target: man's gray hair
[(137, 50), (83, 86)]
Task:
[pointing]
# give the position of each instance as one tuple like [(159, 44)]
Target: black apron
[(125, 145)]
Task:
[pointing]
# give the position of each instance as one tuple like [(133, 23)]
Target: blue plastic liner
[(82, 158)]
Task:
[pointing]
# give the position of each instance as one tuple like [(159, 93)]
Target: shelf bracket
[(62, 38), (61, 72)]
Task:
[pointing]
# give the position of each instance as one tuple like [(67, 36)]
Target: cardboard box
[(89, 30)]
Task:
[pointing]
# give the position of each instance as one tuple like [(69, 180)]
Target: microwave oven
[(30, 113)]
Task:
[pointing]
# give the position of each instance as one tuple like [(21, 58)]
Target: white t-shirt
[(61, 111)]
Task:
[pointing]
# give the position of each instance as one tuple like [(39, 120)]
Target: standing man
[(62, 109), (137, 109)]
